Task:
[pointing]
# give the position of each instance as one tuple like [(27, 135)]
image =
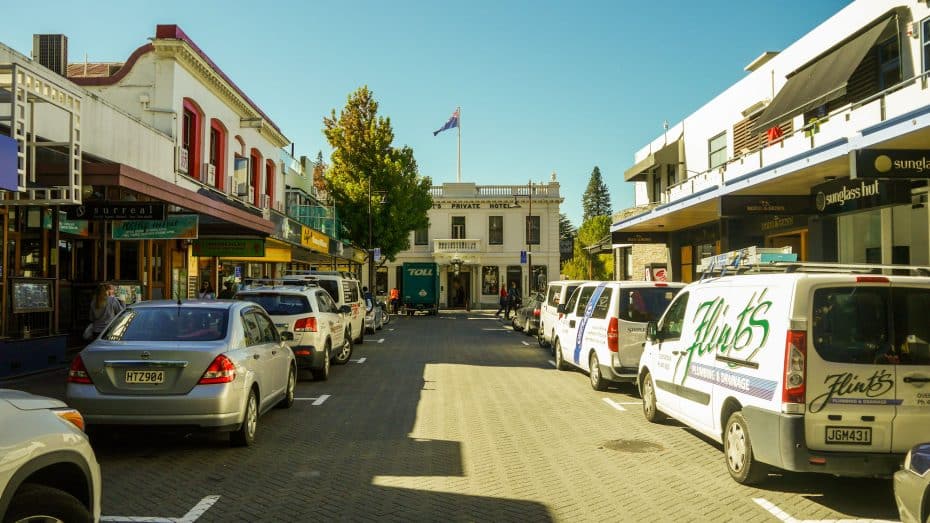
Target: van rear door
[(911, 355), (637, 306), (851, 393)]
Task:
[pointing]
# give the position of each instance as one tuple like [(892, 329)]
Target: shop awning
[(822, 79), (637, 173), (668, 154)]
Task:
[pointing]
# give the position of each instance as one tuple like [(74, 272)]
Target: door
[(330, 316), (665, 354), (561, 328), (277, 364), (851, 378), (638, 306), (579, 317), (459, 286), (911, 355), (258, 354)]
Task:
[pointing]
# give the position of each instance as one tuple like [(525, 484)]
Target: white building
[(821, 147), (476, 235)]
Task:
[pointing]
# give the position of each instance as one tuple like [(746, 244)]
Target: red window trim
[(220, 165), (194, 156), (256, 173), (269, 181)]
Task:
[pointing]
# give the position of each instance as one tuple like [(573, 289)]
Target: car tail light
[(78, 372), (661, 285), (794, 387), (872, 279), (536, 312), (221, 370), (613, 336), (305, 325), (71, 416)]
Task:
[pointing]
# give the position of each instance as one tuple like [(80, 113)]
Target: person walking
[(206, 291), (503, 301), (103, 308), (395, 300), (369, 299), (513, 300)]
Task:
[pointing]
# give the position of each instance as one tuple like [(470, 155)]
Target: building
[(821, 148), (477, 234)]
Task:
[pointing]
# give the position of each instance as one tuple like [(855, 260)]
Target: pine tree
[(566, 229), (596, 199)]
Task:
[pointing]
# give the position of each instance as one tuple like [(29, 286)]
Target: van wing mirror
[(345, 309), (652, 331)]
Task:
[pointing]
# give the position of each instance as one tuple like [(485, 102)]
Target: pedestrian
[(513, 300), (395, 300), (503, 301), (103, 308), (369, 299), (228, 292), (206, 291)]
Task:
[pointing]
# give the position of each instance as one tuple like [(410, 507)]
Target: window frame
[(421, 236), (495, 235), (217, 152), (532, 227), (192, 135), (458, 235), (269, 181), (721, 148), (925, 43)]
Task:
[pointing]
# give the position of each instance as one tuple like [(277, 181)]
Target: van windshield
[(277, 304), (645, 304)]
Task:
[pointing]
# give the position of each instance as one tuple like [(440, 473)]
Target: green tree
[(587, 266), (363, 153), (566, 229), (596, 199)]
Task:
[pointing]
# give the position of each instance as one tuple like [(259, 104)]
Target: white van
[(344, 289), (823, 370), (604, 325), (556, 292)]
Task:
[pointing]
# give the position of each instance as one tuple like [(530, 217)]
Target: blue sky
[(543, 85)]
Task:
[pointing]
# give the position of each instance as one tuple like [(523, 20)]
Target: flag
[(453, 122)]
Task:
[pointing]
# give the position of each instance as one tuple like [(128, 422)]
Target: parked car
[(557, 292), (210, 364), (821, 369), (48, 471), (526, 318), (308, 320), (345, 289), (912, 485), (603, 327)]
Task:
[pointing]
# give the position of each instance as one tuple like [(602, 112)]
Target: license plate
[(849, 435), (145, 376)]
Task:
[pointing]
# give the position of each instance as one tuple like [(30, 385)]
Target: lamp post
[(529, 241), (371, 252)]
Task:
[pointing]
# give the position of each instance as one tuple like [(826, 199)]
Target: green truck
[(421, 288)]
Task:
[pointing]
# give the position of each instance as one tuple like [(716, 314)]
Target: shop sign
[(777, 223), (897, 164), (229, 247), (618, 237), (781, 205), (841, 196), (359, 256), (117, 211), (9, 163), (175, 226), (76, 227), (314, 240)]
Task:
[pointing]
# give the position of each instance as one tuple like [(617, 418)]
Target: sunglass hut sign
[(841, 196)]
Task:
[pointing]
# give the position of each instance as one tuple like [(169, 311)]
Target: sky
[(543, 85)]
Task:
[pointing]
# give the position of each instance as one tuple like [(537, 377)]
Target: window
[(889, 63), (253, 334), (218, 153), (279, 304), (191, 136), (490, 280), (572, 300), (160, 324), (925, 32), (646, 304), (266, 327), (671, 175), (670, 328), (583, 297), (851, 324), (717, 150), (255, 181), (269, 181), (458, 227), (532, 230), (325, 303), (656, 185), (602, 307), (330, 286), (495, 230), (421, 236)]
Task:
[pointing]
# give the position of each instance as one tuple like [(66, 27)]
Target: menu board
[(31, 295)]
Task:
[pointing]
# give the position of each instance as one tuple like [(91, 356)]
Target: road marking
[(491, 318), (380, 341), (316, 401), (501, 329), (392, 330), (552, 363), (525, 343), (191, 516), (614, 404), (360, 360), (781, 515)]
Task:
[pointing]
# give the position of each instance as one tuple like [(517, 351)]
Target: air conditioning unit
[(210, 169), (251, 194), (266, 201), (230, 184), (279, 206), (242, 189), (182, 157)]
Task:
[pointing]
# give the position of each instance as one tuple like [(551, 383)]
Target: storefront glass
[(859, 237)]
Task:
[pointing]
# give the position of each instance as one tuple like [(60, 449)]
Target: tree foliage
[(587, 266), (596, 199), (363, 153), (566, 229)]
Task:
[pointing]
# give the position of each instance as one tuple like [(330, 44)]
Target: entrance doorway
[(459, 285), (797, 240)]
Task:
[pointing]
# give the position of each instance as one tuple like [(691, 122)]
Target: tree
[(363, 153), (596, 199), (566, 229), (587, 266)]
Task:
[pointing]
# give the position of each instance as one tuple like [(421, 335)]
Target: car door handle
[(911, 379), (274, 352), (676, 352), (571, 324), (256, 356)]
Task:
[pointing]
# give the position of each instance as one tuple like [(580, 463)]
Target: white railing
[(540, 190), (456, 245)]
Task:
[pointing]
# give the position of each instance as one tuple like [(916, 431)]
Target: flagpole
[(458, 176)]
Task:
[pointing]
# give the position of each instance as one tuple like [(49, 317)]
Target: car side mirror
[(652, 331), (345, 309), (560, 308), (287, 336)]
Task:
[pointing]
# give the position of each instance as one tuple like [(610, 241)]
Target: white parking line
[(392, 330), (316, 401), (552, 363), (191, 516), (380, 341), (360, 360), (525, 343), (614, 404), (482, 318), (781, 515), (493, 329)]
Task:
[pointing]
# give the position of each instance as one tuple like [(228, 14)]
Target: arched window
[(256, 177), (217, 157), (241, 151), (192, 136), (269, 182)]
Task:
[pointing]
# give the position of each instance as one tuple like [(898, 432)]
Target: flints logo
[(883, 163)]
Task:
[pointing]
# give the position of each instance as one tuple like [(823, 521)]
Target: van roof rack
[(760, 259), (294, 274), (253, 283)]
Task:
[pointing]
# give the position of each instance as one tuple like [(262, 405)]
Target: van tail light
[(661, 284), (872, 279), (78, 372), (536, 312), (221, 370), (613, 335), (794, 387), (305, 325)]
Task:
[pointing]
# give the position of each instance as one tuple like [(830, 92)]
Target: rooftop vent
[(51, 51)]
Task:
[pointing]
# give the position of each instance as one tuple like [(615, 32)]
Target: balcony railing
[(540, 190), (456, 246)]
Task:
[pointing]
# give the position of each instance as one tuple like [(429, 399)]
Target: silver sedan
[(912, 486), (210, 364)]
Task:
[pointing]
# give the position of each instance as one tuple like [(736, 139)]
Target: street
[(458, 418)]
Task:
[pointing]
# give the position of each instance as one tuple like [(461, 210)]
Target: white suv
[(309, 321), (47, 467), (344, 289)]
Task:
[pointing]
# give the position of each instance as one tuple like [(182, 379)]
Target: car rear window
[(332, 287), (168, 324), (277, 304), (645, 304), (875, 325)]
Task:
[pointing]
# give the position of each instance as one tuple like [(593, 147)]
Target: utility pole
[(371, 251), (529, 242)]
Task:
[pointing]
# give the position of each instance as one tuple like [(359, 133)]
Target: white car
[(557, 292), (48, 471), (603, 327), (808, 371), (344, 289), (309, 321)]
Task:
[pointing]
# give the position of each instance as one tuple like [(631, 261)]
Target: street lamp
[(371, 247)]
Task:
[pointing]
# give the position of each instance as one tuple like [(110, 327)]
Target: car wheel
[(540, 338), (345, 352), (737, 448), (513, 323), (594, 372), (34, 502), (559, 360), (245, 435), (650, 411), (288, 398), (322, 374)]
